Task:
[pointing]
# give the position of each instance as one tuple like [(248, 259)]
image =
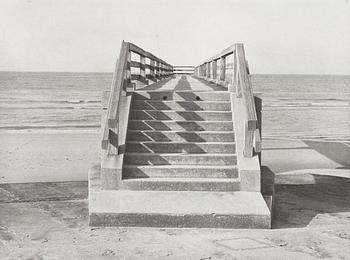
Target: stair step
[(182, 95), (179, 209), (179, 171), (182, 184), (181, 115), (179, 158), (179, 147), (201, 209), (181, 105), (181, 136), (180, 125)]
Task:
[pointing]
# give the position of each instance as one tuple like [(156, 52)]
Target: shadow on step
[(211, 85), (159, 84), (183, 84), (161, 115)]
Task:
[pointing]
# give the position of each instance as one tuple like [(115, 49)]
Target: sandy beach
[(48, 220)]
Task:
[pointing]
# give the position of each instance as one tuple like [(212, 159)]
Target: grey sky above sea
[(289, 37)]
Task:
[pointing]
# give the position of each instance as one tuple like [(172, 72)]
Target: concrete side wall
[(112, 165), (248, 168)]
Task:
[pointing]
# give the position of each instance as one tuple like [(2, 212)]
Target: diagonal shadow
[(335, 151), (211, 85), (159, 84), (182, 84)]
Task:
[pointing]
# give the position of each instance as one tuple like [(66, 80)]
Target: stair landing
[(175, 208)]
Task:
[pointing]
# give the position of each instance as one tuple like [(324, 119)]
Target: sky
[(280, 37)]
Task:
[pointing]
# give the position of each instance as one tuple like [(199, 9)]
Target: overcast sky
[(303, 37)]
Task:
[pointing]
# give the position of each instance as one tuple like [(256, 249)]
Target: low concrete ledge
[(187, 209)]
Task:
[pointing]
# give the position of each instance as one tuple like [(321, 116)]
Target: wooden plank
[(151, 68), (208, 70), (135, 64), (117, 85), (142, 67), (141, 52), (229, 50), (222, 68), (248, 141), (215, 69), (257, 140), (246, 88)]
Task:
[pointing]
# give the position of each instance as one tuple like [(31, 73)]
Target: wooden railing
[(241, 84), (150, 68), (183, 69)]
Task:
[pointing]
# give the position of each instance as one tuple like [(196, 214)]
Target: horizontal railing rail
[(183, 69), (215, 69), (154, 69)]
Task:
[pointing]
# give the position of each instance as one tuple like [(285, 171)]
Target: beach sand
[(49, 220), (47, 156)]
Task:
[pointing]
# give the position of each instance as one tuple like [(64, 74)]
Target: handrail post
[(236, 80), (208, 70), (215, 69), (128, 71), (222, 68), (143, 69), (151, 70), (157, 70)]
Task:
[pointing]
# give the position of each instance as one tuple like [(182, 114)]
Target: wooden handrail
[(122, 77), (240, 84)]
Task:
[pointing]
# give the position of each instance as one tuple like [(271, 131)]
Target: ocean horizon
[(294, 105)]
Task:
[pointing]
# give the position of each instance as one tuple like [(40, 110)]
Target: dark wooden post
[(222, 68), (142, 68), (151, 70), (215, 68)]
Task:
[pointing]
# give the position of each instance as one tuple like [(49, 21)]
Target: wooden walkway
[(182, 83)]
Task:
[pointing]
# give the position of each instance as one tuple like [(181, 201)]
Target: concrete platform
[(175, 209)]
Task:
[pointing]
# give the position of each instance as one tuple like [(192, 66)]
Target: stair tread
[(185, 101), (183, 111), (184, 166), (178, 142), (186, 154), (182, 179), (180, 202), (179, 131), (141, 120)]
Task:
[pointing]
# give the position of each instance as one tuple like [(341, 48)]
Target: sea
[(294, 106)]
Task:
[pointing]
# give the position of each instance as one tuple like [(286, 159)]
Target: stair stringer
[(248, 167), (112, 164)]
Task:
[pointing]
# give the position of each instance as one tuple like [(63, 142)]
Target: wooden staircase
[(176, 162), (180, 143)]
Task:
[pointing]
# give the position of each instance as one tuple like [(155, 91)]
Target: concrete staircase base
[(201, 209)]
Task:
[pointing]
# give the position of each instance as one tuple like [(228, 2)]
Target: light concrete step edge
[(180, 147), (180, 115), (181, 136), (163, 125), (181, 105), (179, 158), (189, 95), (181, 184), (179, 171)]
